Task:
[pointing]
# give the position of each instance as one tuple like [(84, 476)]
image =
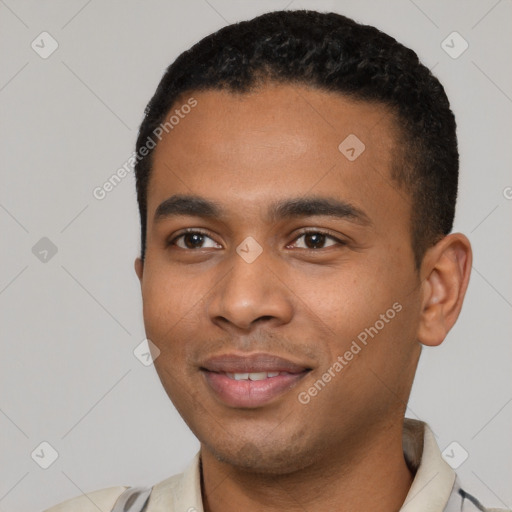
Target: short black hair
[(334, 53)]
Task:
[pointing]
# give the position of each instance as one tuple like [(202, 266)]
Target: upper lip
[(251, 363)]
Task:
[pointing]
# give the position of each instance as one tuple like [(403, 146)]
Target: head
[(314, 162)]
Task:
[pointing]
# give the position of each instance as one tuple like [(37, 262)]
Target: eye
[(316, 240), (193, 239)]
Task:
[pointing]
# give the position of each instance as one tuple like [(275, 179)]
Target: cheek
[(168, 299), (367, 304), (345, 300), (173, 308)]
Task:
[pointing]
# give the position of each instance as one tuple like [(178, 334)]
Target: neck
[(370, 475)]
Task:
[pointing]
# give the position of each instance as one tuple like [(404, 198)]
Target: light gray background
[(69, 326)]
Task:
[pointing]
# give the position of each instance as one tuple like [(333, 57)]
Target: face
[(279, 282)]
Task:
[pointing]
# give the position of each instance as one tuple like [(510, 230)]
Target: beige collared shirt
[(435, 487)]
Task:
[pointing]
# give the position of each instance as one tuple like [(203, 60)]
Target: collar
[(430, 490), (434, 478)]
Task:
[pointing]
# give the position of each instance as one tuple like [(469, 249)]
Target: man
[(297, 179)]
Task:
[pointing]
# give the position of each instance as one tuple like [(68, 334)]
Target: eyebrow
[(196, 206)]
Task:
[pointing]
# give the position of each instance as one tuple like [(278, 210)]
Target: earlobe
[(139, 268), (446, 269)]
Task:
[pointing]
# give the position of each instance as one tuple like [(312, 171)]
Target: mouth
[(251, 381)]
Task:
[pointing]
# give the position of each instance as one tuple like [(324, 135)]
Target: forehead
[(254, 147)]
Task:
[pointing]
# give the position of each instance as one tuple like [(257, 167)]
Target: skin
[(297, 300)]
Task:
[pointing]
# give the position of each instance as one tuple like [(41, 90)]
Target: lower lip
[(250, 393)]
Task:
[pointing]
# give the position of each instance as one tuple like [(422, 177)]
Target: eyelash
[(189, 231)]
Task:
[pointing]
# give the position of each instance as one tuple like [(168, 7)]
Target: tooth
[(241, 376), (258, 375), (230, 375), (272, 374)]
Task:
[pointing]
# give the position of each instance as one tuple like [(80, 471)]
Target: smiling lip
[(251, 381)]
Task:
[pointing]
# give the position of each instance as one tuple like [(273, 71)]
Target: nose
[(251, 293)]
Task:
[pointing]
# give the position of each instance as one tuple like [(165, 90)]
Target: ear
[(444, 274), (139, 268)]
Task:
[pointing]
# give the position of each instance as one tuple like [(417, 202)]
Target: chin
[(264, 459)]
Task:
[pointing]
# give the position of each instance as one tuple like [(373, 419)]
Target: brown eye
[(316, 240), (191, 240)]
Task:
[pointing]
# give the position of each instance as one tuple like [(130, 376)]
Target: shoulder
[(176, 491), (103, 499)]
